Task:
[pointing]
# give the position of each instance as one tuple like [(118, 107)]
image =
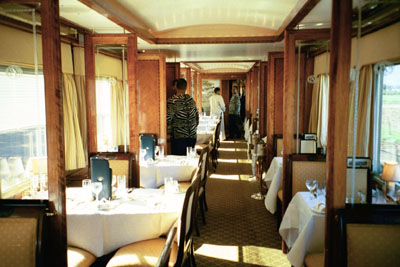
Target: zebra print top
[(182, 117)]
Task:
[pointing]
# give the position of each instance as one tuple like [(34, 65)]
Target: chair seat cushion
[(314, 260), (143, 253), (280, 196), (79, 258)]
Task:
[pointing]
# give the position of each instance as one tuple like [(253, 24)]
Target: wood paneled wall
[(151, 95), (195, 86), (263, 98), (172, 73), (274, 100)]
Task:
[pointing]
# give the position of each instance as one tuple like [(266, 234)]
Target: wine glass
[(311, 185), (96, 188)]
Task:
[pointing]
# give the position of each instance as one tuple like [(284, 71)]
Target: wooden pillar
[(274, 93), (195, 86), (339, 70), (225, 96), (263, 98), (57, 249), (133, 117), (200, 88), (289, 113), (248, 94), (189, 81), (90, 77)]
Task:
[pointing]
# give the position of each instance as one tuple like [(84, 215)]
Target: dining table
[(103, 227), (303, 227), (180, 168), (273, 179)]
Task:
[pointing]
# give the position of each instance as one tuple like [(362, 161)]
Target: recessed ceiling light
[(319, 24)]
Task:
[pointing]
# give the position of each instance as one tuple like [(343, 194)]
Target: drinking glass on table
[(96, 188), (87, 189), (312, 186)]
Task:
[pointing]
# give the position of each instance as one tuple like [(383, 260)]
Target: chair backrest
[(216, 135), (187, 218), (21, 223), (303, 167), (370, 235), (204, 155), (120, 163)]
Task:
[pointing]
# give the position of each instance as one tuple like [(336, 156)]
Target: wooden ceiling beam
[(297, 17), (310, 34), (218, 40)]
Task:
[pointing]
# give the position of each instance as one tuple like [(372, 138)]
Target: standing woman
[(182, 120), (217, 108)]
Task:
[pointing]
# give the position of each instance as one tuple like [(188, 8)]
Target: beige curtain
[(81, 93), (364, 113), (119, 114), (319, 110), (74, 152)]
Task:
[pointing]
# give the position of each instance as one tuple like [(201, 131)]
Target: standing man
[(217, 108), (234, 113), (182, 120)]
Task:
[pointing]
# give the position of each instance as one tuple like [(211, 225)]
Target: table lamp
[(16, 167), (4, 171), (390, 174)]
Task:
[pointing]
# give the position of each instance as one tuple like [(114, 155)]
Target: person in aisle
[(182, 120), (234, 113), (217, 108)]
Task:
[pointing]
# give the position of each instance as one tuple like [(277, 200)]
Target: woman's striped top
[(182, 117)]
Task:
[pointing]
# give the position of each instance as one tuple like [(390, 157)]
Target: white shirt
[(217, 105)]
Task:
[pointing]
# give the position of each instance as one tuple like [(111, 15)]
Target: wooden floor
[(239, 230)]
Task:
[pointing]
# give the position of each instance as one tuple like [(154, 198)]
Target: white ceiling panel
[(165, 15), (80, 14)]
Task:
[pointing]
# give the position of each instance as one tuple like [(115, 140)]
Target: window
[(387, 115), (22, 132), (103, 110)]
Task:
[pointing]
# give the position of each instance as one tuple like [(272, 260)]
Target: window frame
[(379, 70)]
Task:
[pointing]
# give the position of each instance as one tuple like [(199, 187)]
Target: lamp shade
[(16, 167), (4, 169), (391, 171), (37, 165)]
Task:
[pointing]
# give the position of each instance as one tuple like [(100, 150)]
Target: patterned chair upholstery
[(373, 245), (279, 147), (314, 260), (303, 170), (21, 232), (18, 237), (370, 235)]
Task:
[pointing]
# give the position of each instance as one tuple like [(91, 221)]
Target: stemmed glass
[(96, 188), (312, 186)]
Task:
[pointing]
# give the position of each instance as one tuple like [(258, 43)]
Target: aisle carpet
[(239, 231)]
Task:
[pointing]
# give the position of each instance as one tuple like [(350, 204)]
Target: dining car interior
[(199, 133)]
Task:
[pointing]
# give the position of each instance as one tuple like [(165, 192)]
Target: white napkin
[(319, 207)]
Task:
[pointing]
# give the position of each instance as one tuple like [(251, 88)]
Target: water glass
[(87, 189), (161, 152), (121, 182), (161, 141), (96, 188), (142, 154)]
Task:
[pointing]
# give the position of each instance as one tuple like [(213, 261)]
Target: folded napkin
[(319, 207)]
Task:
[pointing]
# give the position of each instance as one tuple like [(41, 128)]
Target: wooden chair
[(216, 144), (370, 235), (144, 252), (21, 232), (203, 169), (78, 257)]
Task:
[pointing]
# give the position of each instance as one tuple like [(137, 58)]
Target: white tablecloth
[(149, 215), (302, 229), (203, 137), (206, 127), (152, 175), (274, 179)]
